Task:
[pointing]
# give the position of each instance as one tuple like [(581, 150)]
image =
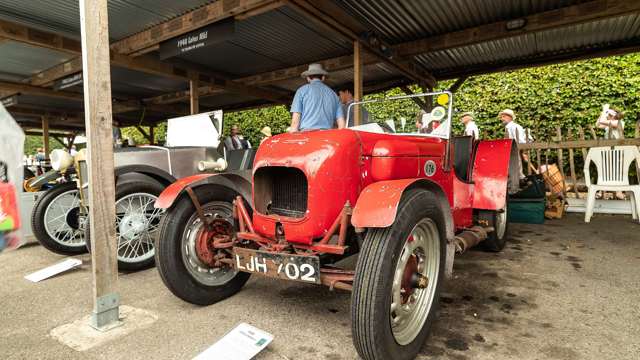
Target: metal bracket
[(448, 263), (206, 221), (106, 313)]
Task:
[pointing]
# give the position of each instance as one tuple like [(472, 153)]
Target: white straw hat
[(508, 112)]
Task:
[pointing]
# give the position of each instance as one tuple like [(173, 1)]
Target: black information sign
[(9, 101), (68, 82), (198, 39)]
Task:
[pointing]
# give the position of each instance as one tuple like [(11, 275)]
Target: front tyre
[(182, 269), (398, 280), (56, 220)]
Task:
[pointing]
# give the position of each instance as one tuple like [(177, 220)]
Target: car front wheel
[(398, 280), (184, 256)]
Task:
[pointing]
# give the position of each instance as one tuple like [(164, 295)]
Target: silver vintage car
[(142, 173)]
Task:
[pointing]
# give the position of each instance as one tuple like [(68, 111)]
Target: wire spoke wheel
[(201, 271), (419, 262), (63, 222), (137, 227)]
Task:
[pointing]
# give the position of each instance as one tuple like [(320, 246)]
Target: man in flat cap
[(315, 105), (515, 132), (470, 127)]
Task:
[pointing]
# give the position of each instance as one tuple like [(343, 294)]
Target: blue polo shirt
[(318, 105)]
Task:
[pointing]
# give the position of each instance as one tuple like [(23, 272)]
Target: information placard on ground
[(242, 343), (55, 269)]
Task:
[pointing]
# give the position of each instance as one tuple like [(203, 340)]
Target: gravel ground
[(563, 290)]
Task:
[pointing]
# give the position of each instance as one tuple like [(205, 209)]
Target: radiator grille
[(284, 191)]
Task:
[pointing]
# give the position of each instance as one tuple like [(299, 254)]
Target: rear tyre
[(137, 224), (391, 310), (497, 239), (180, 268), (56, 221)]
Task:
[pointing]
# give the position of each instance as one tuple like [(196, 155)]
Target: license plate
[(282, 266)]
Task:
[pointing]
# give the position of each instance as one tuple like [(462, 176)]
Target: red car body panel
[(369, 170), (491, 173)]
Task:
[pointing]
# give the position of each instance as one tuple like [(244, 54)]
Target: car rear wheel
[(56, 221), (497, 239), (137, 224), (184, 256), (398, 280)]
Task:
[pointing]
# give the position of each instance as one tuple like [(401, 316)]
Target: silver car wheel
[(63, 221), (410, 305), (199, 270), (137, 223)]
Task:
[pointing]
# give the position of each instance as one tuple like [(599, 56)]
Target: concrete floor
[(563, 290)]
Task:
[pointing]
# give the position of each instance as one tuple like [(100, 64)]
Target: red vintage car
[(404, 203)]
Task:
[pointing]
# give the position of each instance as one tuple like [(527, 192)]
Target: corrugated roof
[(280, 38), (20, 60), (405, 20), (126, 17), (587, 35)]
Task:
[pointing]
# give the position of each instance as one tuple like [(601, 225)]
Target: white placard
[(195, 130), (242, 343), (52, 270)]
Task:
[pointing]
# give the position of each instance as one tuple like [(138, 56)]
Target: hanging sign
[(198, 39), (69, 81), (9, 101)]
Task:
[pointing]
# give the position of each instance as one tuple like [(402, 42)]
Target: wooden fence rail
[(570, 142)]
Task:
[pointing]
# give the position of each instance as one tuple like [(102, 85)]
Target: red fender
[(377, 204), (494, 160), (239, 181), (171, 193)]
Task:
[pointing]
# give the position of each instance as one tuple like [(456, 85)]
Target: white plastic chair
[(613, 165)]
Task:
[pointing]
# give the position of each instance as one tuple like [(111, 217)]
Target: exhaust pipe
[(471, 237)]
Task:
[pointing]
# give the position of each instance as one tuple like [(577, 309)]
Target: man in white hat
[(512, 129), (315, 105), (515, 132), (470, 127)]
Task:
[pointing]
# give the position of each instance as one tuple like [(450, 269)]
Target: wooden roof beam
[(24, 34)]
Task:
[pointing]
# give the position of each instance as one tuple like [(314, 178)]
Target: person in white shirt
[(611, 121), (515, 132), (470, 127)]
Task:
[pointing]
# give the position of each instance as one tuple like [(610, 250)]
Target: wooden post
[(357, 82), (561, 160), (152, 134), (572, 167), (581, 134), (45, 137), (528, 132), (193, 96), (98, 121), (593, 132)]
